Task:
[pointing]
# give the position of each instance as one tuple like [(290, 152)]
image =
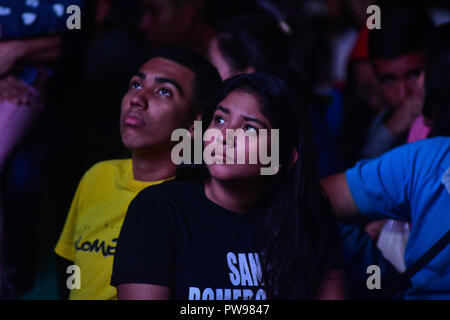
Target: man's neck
[(152, 166)]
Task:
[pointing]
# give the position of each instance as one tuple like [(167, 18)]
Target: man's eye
[(414, 75), (387, 81), (165, 92), (135, 85)]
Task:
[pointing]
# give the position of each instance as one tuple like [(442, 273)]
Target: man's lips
[(134, 121)]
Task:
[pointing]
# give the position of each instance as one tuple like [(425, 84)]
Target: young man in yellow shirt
[(167, 93)]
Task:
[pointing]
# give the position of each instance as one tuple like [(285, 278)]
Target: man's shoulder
[(431, 151), (439, 144), (108, 167)]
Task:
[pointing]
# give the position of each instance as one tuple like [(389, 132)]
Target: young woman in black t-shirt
[(234, 233)]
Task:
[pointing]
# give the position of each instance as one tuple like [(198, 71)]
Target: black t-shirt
[(174, 236)]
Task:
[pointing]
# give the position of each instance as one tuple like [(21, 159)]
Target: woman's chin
[(232, 172)]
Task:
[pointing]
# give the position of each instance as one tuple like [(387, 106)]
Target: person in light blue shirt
[(411, 183)]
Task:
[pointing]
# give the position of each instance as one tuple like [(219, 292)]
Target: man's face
[(159, 100), (401, 78)]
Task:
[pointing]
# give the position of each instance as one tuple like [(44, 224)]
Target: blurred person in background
[(411, 183), (398, 55), (168, 22), (30, 38), (362, 100)]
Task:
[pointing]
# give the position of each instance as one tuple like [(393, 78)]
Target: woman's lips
[(223, 158)]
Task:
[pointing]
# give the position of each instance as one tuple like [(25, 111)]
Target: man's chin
[(132, 144)]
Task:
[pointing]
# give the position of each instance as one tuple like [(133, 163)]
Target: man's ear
[(191, 129), (294, 156)]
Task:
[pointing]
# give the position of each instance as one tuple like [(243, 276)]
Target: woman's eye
[(250, 128), (165, 92), (219, 119), (135, 85)]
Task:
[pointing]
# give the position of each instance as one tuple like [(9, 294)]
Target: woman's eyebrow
[(246, 118), (223, 109)]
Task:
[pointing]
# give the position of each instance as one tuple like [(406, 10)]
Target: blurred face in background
[(223, 63), (358, 9), (219, 60), (166, 22), (367, 87), (401, 78)]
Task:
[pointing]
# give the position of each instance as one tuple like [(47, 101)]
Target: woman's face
[(239, 110)]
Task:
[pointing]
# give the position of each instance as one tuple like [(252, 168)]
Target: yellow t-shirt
[(93, 224)]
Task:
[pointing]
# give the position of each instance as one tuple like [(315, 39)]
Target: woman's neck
[(234, 196)]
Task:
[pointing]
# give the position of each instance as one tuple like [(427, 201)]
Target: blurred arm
[(142, 291), (338, 192)]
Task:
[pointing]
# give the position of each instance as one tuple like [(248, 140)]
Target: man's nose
[(139, 101), (400, 91)]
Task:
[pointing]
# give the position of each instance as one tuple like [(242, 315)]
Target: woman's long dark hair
[(296, 239)]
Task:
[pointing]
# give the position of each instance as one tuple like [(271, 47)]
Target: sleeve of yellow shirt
[(65, 246)]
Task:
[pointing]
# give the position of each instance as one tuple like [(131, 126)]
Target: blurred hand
[(20, 93), (403, 117), (20, 104), (374, 229), (415, 98), (13, 90), (11, 52)]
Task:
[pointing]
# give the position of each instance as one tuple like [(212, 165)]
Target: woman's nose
[(227, 136)]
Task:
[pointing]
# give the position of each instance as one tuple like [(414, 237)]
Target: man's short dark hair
[(403, 31), (207, 78)]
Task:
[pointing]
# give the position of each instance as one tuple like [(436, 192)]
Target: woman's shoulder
[(173, 189)]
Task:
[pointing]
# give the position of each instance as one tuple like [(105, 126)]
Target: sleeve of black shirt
[(146, 247)]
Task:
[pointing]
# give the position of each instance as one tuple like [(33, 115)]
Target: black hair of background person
[(357, 120), (258, 41), (405, 29), (437, 82), (296, 242)]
